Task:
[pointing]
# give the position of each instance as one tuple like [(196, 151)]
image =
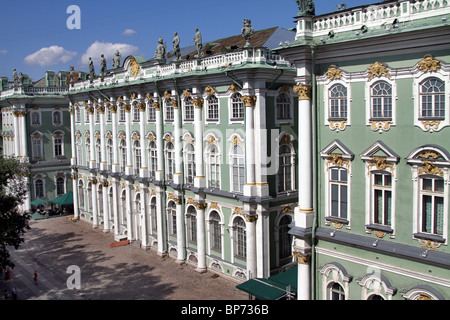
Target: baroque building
[(36, 130), (194, 158), (374, 155)]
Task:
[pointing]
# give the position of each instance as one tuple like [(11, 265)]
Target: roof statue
[(176, 46), (15, 78), (91, 70), (306, 7), (116, 60), (247, 32), (102, 66), (160, 53), (198, 43)]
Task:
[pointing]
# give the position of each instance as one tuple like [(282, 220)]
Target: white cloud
[(128, 32), (4, 51), (107, 49), (49, 56)]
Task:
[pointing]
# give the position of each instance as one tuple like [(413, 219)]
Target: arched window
[(151, 111), (136, 113), (81, 194), (153, 215), (432, 99), (237, 107), (123, 208), (213, 166), (137, 157), (98, 148), (110, 152), (57, 119), (188, 109), (212, 108), (89, 197), (79, 151), (381, 98), (123, 154), (39, 188), (285, 170), (238, 168), (240, 238), (189, 171), (284, 238), (283, 106), (170, 161), (215, 231), (35, 118), (88, 152), (191, 225), (153, 159), (335, 291), (337, 102), (172, 218), (60, 186)]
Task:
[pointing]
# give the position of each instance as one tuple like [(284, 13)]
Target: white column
[(130, 223), (16, 133), (90, 110), (181, 239), (115, 165), (304, 212), (177, 140), (260, 136), (76, 211), (129, 164), (199, 180), (201, 243), (144, 216), (103, 162), (159, 142), (251, 244), (249, 103), (160, 221), (142, 120), (94, 196), (106, 213)]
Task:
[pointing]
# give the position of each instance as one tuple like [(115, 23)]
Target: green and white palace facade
[(194, 159), (374, 152)]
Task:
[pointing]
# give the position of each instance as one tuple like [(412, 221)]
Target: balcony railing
[(33, 91)]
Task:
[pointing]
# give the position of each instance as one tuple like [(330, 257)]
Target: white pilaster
[(201, 243), (199, 180)]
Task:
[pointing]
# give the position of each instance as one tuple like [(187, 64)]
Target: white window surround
[(337, 125), (429, 161), (58, 135), (337, 155), (42, 177), (290, 93), (379, 158), (209, 232), (380, 125), (37, 155), (212, 140), (431, 125), (335, 273), (288, 141), (376, 284), (36, 118), (184, 112), (235, 139), (206, 107), (232, 120)]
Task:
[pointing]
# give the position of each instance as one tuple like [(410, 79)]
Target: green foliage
[(13, 223)]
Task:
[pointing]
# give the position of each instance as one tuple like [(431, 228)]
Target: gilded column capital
[(19, 113), (112, 107), (90, 110), (251, 217), (304, 91), (141, 106), (198, 103), (249, 101), (156, 105), (302, 258)]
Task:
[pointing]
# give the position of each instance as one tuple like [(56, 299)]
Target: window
[(78, 114), (382, 198), (35, 118), (170, 161), (137, 157), (169, 111), (237, 169), (432, 205), (39, 188), (123, 209), (240, 238), (215, 231), (57, 143), (153, 213), (153, 159), (338, 102), (122, 116), (283, 107), (212, 108), (188, 109), (172, 218), (108, 114), (432, 99), (336, 292), (191, 225), (339, 192), (60, 186), (110, 153), (136, 113), (381, 98), (151, 111), (36, 142), (285, 170), (213, 166), (123, 154), (98, 149), (88, 151), (237, 107), (81, 194), (57, 118), (189, 171), (284, 238)]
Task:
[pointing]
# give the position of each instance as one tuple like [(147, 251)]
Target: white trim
[(326, 87), (368, 102)]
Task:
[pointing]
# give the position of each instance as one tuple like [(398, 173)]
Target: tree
[(13, 223)]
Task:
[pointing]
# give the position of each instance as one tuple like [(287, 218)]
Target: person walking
[(35, 276), (14, 294)]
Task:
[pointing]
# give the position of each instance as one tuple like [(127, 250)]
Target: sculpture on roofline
[(306, 7), (102, 66), (91, 70), (198, 43), (160, 53), (116, 60), (15, 78), (247, 32), (176, 46)]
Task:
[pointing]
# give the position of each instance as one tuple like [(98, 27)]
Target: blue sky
[(35, 36)]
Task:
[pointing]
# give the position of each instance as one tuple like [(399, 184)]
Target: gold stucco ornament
[(429, 64)]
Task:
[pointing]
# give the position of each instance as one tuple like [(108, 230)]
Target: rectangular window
[(432, 197), (382, 198), (339, 197)]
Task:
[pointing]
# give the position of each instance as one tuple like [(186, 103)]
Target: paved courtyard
[(119, 273)]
